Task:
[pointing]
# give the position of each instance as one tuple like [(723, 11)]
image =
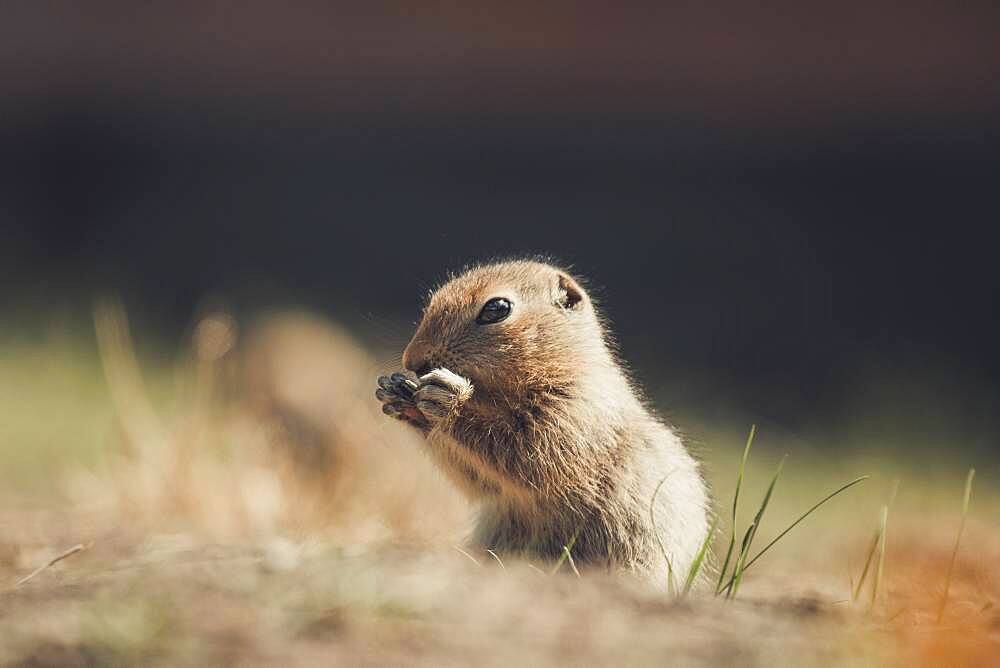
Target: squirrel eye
[(494, 310)]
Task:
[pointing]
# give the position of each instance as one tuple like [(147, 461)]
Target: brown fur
[(534, 418)]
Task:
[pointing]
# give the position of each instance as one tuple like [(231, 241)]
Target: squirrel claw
[(396, 394)]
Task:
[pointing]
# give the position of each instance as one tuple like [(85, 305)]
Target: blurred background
[(789, 213), (219, 221)]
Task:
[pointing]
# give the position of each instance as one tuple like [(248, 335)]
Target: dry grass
[(250, 504)]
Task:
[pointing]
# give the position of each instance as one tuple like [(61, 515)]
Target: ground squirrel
[(526, 408)]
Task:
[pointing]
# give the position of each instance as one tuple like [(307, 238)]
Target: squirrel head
[(509, 327)]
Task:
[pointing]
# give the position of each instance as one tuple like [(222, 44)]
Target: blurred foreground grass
[(244, 500)]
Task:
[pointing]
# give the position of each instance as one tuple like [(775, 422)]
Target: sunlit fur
[(553, 440)]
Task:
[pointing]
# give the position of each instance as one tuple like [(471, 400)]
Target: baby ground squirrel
[(527, 410)]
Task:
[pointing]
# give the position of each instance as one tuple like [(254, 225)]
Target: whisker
[(387, 364), (386, 331)]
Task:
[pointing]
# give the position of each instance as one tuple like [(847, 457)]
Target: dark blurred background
[(789, 212)]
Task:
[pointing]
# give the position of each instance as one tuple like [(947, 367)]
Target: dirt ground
[(247, 504), (169, 600)]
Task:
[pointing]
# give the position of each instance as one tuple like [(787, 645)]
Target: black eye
[(494, 310)]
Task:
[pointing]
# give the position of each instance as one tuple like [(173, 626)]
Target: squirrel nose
[(415, 358)]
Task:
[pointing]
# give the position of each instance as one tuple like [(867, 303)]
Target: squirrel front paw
[(396, 394), (441, 394)]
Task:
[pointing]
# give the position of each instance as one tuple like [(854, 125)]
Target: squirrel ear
[(569, 294)]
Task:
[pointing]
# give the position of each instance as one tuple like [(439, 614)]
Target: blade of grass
[(699, 558), (736, 502), (567, 550), (876, 538), (803, 516), (467, 555), (868, 562), (752, 532), (671, 585), (566, 553), (495, 556), (883, 522), (881, 555), (728, 589), (894, 492), (958, 539), (52, 562)]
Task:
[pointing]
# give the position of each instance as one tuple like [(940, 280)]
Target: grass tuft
[(842, 488), (741, 562), (731, 586)]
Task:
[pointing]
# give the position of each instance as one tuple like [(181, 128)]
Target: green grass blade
[(752, 532), (882, 538), (566, 552), (803, 516), (876, 541), (743, 466), (725, 564), (736, 502), (727, 589), (883, 522), (699, 558), (671, 585), (868, 562), (958, 539)]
